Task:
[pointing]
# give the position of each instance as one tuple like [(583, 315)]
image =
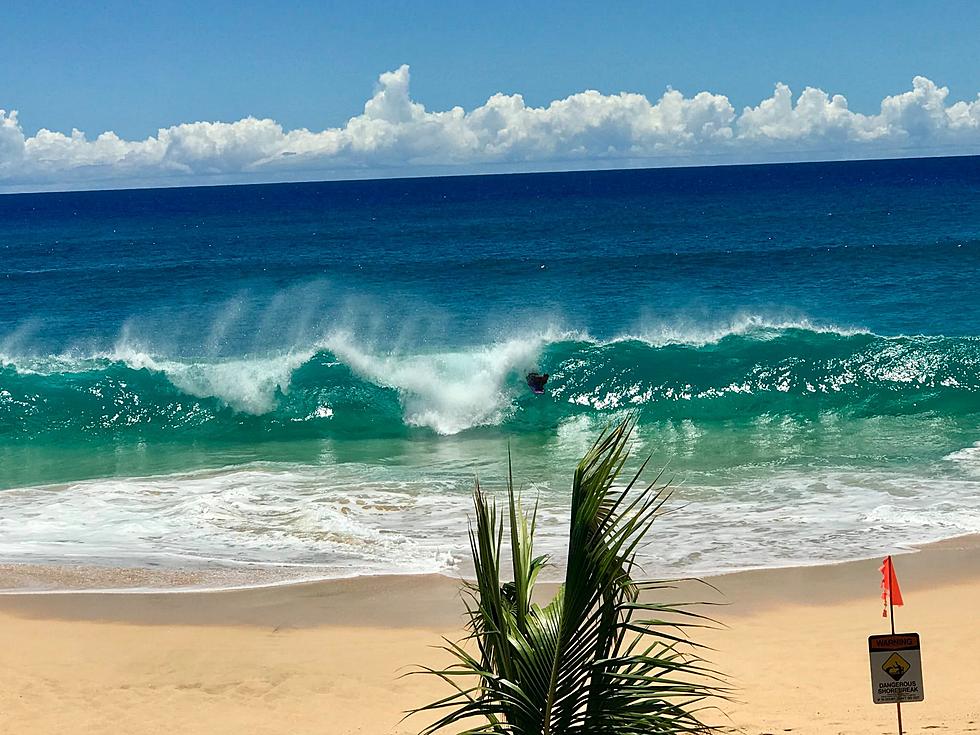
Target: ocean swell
[(341, 387)]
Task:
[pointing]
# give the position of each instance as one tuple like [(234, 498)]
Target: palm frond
[(597, 659)]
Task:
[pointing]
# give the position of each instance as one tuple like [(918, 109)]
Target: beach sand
[(326, 657)]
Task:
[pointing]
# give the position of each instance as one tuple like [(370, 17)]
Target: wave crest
[(448, 391), (344, 387), (697, 334)]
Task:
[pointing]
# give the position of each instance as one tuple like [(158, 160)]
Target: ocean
[(304, 380)]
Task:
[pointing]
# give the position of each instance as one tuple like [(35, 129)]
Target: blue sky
[(135, 67)]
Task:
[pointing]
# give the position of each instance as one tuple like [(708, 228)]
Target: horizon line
[(480, 174)]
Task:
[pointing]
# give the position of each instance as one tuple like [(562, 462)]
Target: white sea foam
[(329, 521), (448, 391), (968, 458), (292, 517)]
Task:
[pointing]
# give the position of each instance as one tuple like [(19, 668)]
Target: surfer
[(536, 381)]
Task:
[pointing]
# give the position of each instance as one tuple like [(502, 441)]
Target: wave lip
[(249, 385), (760, 327)]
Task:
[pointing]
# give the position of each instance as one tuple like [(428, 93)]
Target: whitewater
[(756, 367), (303, 381)]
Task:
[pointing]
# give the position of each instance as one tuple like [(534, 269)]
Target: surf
[(342, 386)]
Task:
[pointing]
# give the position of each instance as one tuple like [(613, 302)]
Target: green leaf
[(598, 658)]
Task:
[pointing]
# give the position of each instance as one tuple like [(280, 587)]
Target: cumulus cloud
[(396, 135)]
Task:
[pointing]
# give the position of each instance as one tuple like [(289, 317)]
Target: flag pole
[(891, 617)]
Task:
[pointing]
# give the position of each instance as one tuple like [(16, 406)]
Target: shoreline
[(23, 578), (329, 656), (937, 564)]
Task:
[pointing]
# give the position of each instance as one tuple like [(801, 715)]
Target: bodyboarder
[(536, 381)]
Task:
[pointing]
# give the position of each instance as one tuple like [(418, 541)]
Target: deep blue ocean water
[(308, 376)]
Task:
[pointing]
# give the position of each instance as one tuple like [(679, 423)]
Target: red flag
[(889, 585)]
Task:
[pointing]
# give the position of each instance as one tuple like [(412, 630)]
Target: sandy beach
[(326, 657)]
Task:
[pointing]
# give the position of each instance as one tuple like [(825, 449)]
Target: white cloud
[(398, 136)]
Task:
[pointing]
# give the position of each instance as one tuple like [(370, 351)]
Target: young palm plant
[(599, 658)]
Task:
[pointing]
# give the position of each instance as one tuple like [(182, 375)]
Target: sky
[(146, 72)]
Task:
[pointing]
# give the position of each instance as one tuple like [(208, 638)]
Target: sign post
[(896, 663)]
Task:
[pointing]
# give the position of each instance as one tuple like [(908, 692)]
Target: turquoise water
[(308, 377)]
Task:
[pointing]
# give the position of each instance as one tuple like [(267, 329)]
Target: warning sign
[(896, 668)]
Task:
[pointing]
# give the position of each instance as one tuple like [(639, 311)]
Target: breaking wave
[(343, 387)]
